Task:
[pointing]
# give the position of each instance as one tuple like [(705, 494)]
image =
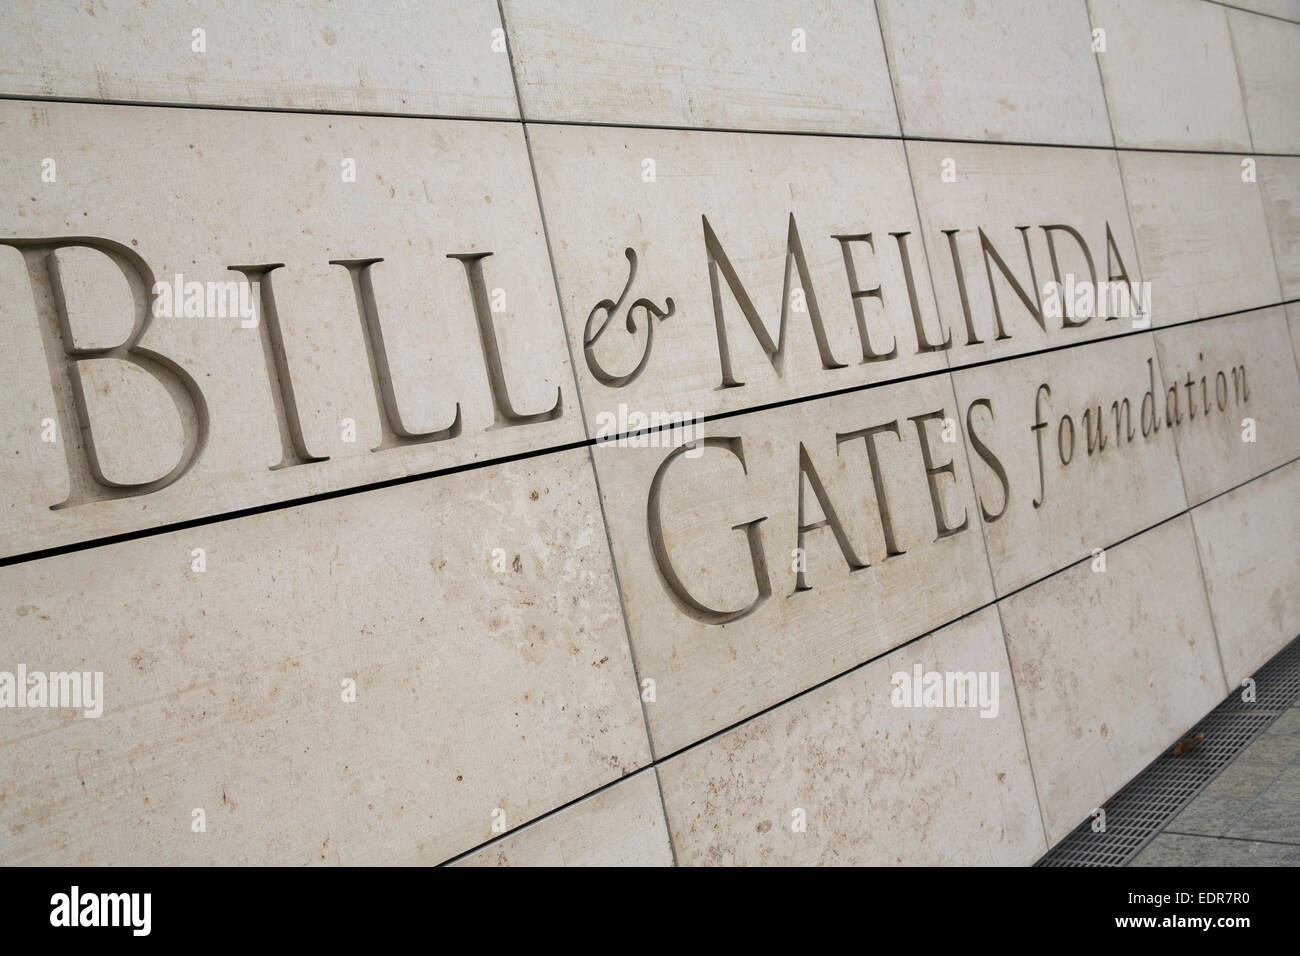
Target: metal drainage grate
[(1169, 783)]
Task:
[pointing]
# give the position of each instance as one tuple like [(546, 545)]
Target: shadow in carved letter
[(611, 308), (86, 479)]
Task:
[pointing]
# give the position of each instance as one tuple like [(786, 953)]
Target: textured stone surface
[(475, 689), (621, 826), (1110, 668), (1041, 85), (1201, 235), (429, 57), (1170, 75), (1268, 56), (1249, 542), (680, 63), (857, 767)]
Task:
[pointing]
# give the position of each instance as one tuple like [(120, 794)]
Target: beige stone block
[(1170, 75), (787, 66), (1286, 9), (1201, 234), (726, 616), (476, 614), (1249, 541), (996, 218), (1110, 668), (1280, 178), (877, 784), (436, 362), (1004, 70), (1068, 459), (1238, 398), (425, 58), (621, 826), (774, 206), (1268, 56)]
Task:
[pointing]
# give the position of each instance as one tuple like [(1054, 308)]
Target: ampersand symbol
[(610, 308)]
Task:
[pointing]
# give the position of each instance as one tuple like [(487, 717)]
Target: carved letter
[(971, 337), (659, 547), (505, 411), (1111, 247), (931, 472), (610, 308), (718, 262), (868, 435), (293, 447), (1034, 306), (395, 432), (989, 459), (923, 343), (829, 520), (858, 294), (1037, 428), (86, 479), (1066, 320)]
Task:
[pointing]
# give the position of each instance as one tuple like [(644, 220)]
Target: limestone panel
[(1001, 223), (1280, 178), (1249, 542), (1201, 234), (1170, 75), (1002, 70), (1110, 668), (437, 57), (801, 67), (1268, 56), (849, 774)]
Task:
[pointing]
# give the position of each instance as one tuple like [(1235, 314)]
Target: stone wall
[(578, 432)]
